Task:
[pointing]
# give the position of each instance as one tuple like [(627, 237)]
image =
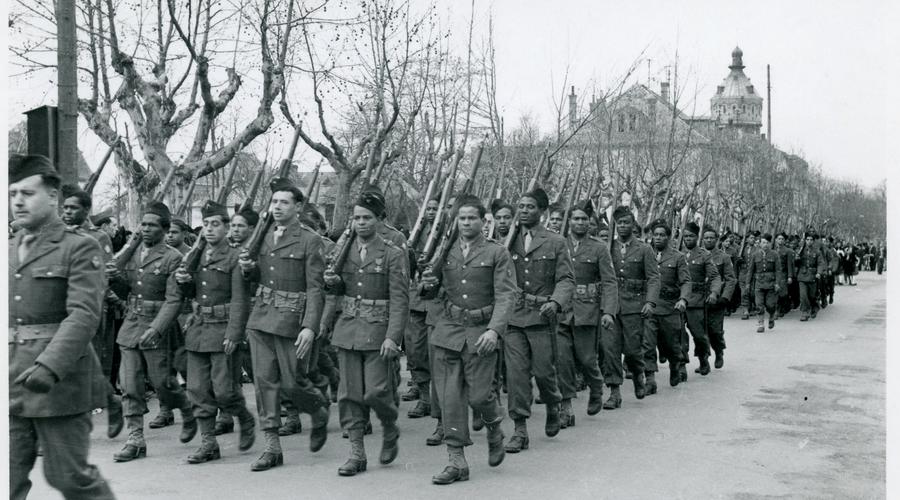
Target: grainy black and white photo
[(427, 249)]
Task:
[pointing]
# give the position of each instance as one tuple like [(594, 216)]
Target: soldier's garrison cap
[(24, 166)]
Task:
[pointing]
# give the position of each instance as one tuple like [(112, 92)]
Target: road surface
[(797, 412)]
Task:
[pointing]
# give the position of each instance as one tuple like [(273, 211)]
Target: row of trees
[(382, 90)]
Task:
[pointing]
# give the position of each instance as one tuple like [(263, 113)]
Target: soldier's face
[(593, 227), (503, 219), (709, 240), (660, 238), (31, 202), (431, 209), (554, 222), (689, 239), (73, 213), (364, 222), (764, 243), (152, 231), (529, 213), (779, 240), (283, 207), (469, 221), (624, 227), (214, 229), (809, 240), (603, 234), (240, 230), (579, 223), (174, 236)]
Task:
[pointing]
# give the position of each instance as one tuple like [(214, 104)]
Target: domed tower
[(736, 104)]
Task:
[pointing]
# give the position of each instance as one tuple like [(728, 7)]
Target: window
[(632, 122), (621, 123)]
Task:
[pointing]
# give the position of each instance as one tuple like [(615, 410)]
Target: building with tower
[(736, 105)]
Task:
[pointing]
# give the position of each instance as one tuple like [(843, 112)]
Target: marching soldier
[(766, 278), (504, 213), (555, 217), (289, 298), (787, 258), (810, 268), (55, 278), (177, 234), (715, 313), (744, 277), (665, 328), (834, 264), (638, 279), (595, 301), (826, 283), (220, 311), (478, 296), (374, 283), (705, 285), (544, 278), (146, 336)]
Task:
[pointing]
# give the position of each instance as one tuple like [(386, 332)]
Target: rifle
[(562, 189), (186, 201), (514, 230), (312, 187), (191, 260), (440, 218), (254, 187), (416, 232), (92, 180), (255, 241), (452, 234), (564, 229), (128, 250)]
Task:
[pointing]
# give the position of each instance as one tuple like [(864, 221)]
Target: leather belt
[(18, 334), (469, 317)]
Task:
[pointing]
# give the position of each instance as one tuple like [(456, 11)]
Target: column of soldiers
[(556, 308)]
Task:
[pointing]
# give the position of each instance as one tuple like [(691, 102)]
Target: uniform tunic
[(375, 306), (704, 278), (596, 293), (543, 273), (666, 324), (479, 295), (54, 301), (715, 313), (637, 274), (415, 340), (810, 262), (765, 274)]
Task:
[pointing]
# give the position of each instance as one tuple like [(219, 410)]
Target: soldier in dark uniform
[(715, 313), (545, 279), (415, 341), (665, 328), (479, 293), (76, 207), (55, 278), (742, 267), (834, 265), (504, 213), (787, 258), (220, 310), (555, 215), (289, 298), (637, 273), (810, 268), (374, 284), (705, 285), (177, 234), (593, 306), (766, 279), (146, 336), (826, 283)]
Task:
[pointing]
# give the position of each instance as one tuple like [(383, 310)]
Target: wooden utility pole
[(768, 104), (67, 88)]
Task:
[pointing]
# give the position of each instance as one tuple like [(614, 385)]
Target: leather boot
[(319, 433), (566, 416), (188, 425), (224, 423), (682, 370), (357, 461), (458, 470), (437, 437), (135, 447), (164, 418), (650, 383), (291, 424), (272, 456), (389, 445), (720, 359), (209, 448), (496, 452), (114, 418), (771, 321), (477, 421), (248, 429), (674, 374), (551, 426), (615, 398), (411, 395), (746, 315), (704, 366), (595, 402), (640, 385), (519, 441), (760, 328)]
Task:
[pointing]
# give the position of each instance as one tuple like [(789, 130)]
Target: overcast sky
[(830, 85)]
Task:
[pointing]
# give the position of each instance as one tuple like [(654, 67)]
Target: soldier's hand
[(486, 343), (790, 281), (304, 342), (37, 378), (777, 288), (647, 310), (182, 276), (549, 310), (230, 346), (150, 339), (111, 270), (331, 278), (389, 349), (818, 276), (429, 280), (681, 305), (607, 321), (712, 299), (244, 261)]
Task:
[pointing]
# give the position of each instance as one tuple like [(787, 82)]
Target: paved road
[(797, 412)]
